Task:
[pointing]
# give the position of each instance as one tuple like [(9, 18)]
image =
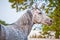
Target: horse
[(20, 29)]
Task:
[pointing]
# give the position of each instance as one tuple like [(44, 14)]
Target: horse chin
[(49, 24)]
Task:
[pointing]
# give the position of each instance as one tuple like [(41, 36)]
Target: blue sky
[(7, 13)]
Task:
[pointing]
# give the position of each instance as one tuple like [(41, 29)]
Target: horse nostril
[(40, 13), (50, 20)]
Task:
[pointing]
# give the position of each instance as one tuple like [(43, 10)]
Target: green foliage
[(20, 4), (11, 1), (45, 28), (3, 22), (55, 15)]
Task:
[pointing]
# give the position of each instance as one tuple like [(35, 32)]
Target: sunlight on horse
[(22, 27), (39, 17)]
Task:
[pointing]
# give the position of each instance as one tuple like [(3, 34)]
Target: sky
[(8, 14)]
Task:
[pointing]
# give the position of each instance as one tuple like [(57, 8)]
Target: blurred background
[(11, 10)]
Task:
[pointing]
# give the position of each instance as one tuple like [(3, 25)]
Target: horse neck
[(25, 21)]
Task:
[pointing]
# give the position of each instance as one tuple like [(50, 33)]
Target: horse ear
[(34, 6)]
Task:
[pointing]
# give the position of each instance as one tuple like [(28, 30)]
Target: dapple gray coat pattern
[(18, 30), (21, 28)]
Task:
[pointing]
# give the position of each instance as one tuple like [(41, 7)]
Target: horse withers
[(22, 27)]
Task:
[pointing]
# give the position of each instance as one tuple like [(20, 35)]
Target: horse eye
[(40, 13)]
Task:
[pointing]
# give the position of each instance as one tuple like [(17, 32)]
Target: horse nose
[(50, 20)]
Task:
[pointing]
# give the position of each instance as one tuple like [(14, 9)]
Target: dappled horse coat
[(18, 30), (21, 28)]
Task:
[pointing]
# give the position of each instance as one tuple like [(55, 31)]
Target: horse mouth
[(49, 23)]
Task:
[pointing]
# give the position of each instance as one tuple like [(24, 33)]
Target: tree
[(3, 22), (55, 15), (21, 4)]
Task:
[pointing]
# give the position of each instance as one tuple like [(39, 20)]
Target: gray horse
[(21, 28)]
